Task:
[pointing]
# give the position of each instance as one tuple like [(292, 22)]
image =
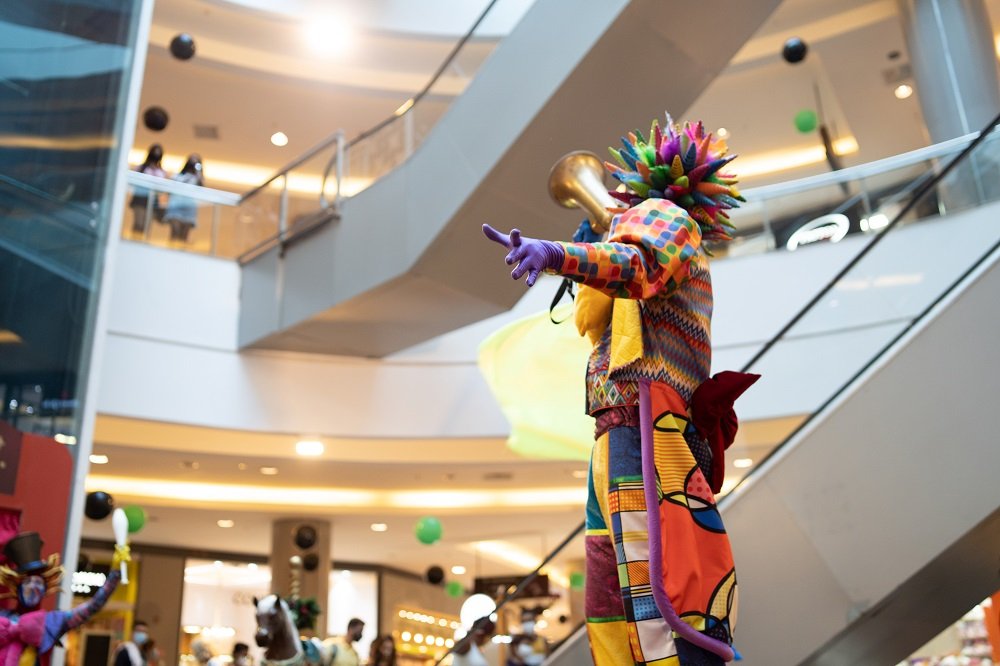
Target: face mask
[(139, 637), (31, 591), (528, 627)]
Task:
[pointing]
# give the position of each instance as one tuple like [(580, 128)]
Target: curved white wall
[(171, 353)]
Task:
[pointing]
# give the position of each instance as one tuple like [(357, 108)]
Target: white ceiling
[(252, 76)]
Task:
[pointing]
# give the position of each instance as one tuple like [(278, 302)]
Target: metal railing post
[(408, 132), (148, 221), (283, 208), (214, 242), (341, 171)]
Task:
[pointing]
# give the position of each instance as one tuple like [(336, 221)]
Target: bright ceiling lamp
[(309, 447), (783, 160), (330, 34)]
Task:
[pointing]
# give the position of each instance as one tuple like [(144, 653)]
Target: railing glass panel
[(180, 215)]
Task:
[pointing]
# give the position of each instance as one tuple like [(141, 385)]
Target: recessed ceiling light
[(379, 527), (98, 459), (252, 566), (268, 471), (309, 447), (579, 473), (241, 466), (217, 564), (59, 437), (742, 463), (722, 132), (280, 139), (903, 91), (458, 570), (225, 523)]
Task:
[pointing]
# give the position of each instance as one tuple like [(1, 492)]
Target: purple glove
[(530, 254)]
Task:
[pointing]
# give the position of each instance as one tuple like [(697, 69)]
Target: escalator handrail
[(859, 171), (49, 198)]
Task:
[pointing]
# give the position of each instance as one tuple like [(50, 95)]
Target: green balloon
[(454, 589), (428, 530), (577, 580), (136, 518), (806, 121)]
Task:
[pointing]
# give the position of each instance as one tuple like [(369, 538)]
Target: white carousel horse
[(276, 633)]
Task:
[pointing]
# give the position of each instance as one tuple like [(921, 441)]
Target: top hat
[(25, 551)]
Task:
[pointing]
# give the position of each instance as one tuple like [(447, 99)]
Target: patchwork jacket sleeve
[(648, 252)]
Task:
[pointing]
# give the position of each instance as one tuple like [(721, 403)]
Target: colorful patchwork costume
[(661, 584)]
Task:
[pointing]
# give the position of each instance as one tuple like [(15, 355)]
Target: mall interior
[(283, 359)]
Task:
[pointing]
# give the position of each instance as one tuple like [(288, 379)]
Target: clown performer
[(28, 634), (661, 585)]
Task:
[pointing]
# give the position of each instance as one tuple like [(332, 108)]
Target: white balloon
[(475, 607)]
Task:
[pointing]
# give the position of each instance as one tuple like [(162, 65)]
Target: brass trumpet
[(577, 181)]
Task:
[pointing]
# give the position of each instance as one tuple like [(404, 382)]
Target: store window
[(353, 594), (218, 610)]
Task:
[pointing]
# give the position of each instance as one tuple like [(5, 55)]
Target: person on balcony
[(661, 584), (182, 211), (145, 204)]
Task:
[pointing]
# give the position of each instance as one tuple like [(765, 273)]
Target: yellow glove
[(593, 313)]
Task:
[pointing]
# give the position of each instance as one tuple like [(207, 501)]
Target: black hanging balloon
[(794, 50), (305, 536), (155, 118), (182, 46), (435, 575), (99, 505), (310, 562)]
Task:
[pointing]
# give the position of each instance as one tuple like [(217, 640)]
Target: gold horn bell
[(577, 181)]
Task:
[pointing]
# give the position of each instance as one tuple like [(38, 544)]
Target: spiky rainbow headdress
[(682, 166)]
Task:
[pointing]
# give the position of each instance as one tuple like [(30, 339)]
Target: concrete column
[(954, 64), (314, 583)]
